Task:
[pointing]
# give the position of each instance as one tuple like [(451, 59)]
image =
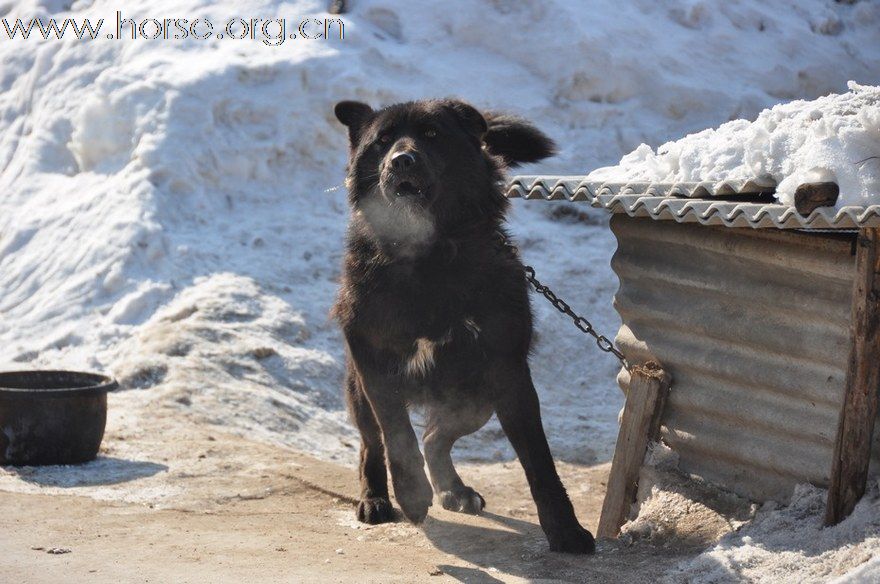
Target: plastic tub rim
[(98, 384)]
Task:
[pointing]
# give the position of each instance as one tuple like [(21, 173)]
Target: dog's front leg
[(405, 461), (518, 410)]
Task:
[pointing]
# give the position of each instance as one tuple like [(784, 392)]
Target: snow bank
[(833, 138), (789, 545), (231, 355), (741, 541)]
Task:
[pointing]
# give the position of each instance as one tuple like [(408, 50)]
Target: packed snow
[(835, 138), (789, 545), (172, 211)]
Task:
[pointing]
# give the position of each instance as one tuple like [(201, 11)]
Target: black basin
[(52, 417)]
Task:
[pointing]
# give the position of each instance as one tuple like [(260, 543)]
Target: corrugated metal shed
[(753, 325), (750, 317), (700, 202)]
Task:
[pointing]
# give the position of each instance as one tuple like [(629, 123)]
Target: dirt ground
[(280, 516)]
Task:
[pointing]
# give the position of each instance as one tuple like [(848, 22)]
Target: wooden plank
[(810, 196), (639, 426), (852, 449)]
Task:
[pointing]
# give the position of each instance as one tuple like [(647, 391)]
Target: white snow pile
[(233, 356), (834, 138), (789, 545)]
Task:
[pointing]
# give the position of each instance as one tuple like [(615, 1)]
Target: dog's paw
[(462, 500), (375, 510), (574, 540), (414, 494)]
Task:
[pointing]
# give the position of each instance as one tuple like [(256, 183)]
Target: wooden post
[(639, 426), (852, 449)]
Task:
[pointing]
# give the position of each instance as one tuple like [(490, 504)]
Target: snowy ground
[(788, 544), (169, 210)]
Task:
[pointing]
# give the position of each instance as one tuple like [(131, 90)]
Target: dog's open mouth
[(406, 188)]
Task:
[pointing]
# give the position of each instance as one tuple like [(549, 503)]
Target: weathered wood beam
[(639, 426), (810, 196), (852, 449)]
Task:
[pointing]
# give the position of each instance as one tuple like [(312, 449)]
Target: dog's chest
[(424, 317), (422, 357)]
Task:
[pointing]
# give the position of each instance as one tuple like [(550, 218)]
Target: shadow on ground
[(513, 548), (518, 549), (104, 470)]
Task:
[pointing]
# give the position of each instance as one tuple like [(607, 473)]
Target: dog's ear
[(472, 120), (352, 114), (515, 140)]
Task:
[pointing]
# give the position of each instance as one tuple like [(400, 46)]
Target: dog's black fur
[(435, 313)]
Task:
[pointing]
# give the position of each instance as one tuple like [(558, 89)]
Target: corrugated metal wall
[(753, 325)]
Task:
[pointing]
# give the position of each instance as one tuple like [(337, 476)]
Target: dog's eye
[(430, 132), (384, 138)]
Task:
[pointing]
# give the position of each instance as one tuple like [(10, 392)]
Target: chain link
[(584, 325)]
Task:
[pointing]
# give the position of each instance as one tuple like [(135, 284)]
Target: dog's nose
[(402, 160)]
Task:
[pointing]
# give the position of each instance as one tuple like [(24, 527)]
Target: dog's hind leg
[(444, 426), (374, 506), (516, 403)]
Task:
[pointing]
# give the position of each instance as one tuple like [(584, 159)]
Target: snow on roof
[(833, 138)]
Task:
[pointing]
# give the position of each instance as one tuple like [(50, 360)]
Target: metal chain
[(584, 325)]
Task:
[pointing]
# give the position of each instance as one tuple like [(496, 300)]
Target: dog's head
[(424, 169)]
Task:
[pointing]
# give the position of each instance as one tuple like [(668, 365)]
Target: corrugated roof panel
[(550, 188), (567, 186), (697, 202), (694, 190), (734, 214), (753, 326)]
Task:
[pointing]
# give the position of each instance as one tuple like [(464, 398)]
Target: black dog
[(435, 312)]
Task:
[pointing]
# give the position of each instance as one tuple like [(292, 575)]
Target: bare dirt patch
[(288, 517)]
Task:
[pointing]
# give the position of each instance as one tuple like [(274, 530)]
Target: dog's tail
[(515, 140)]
